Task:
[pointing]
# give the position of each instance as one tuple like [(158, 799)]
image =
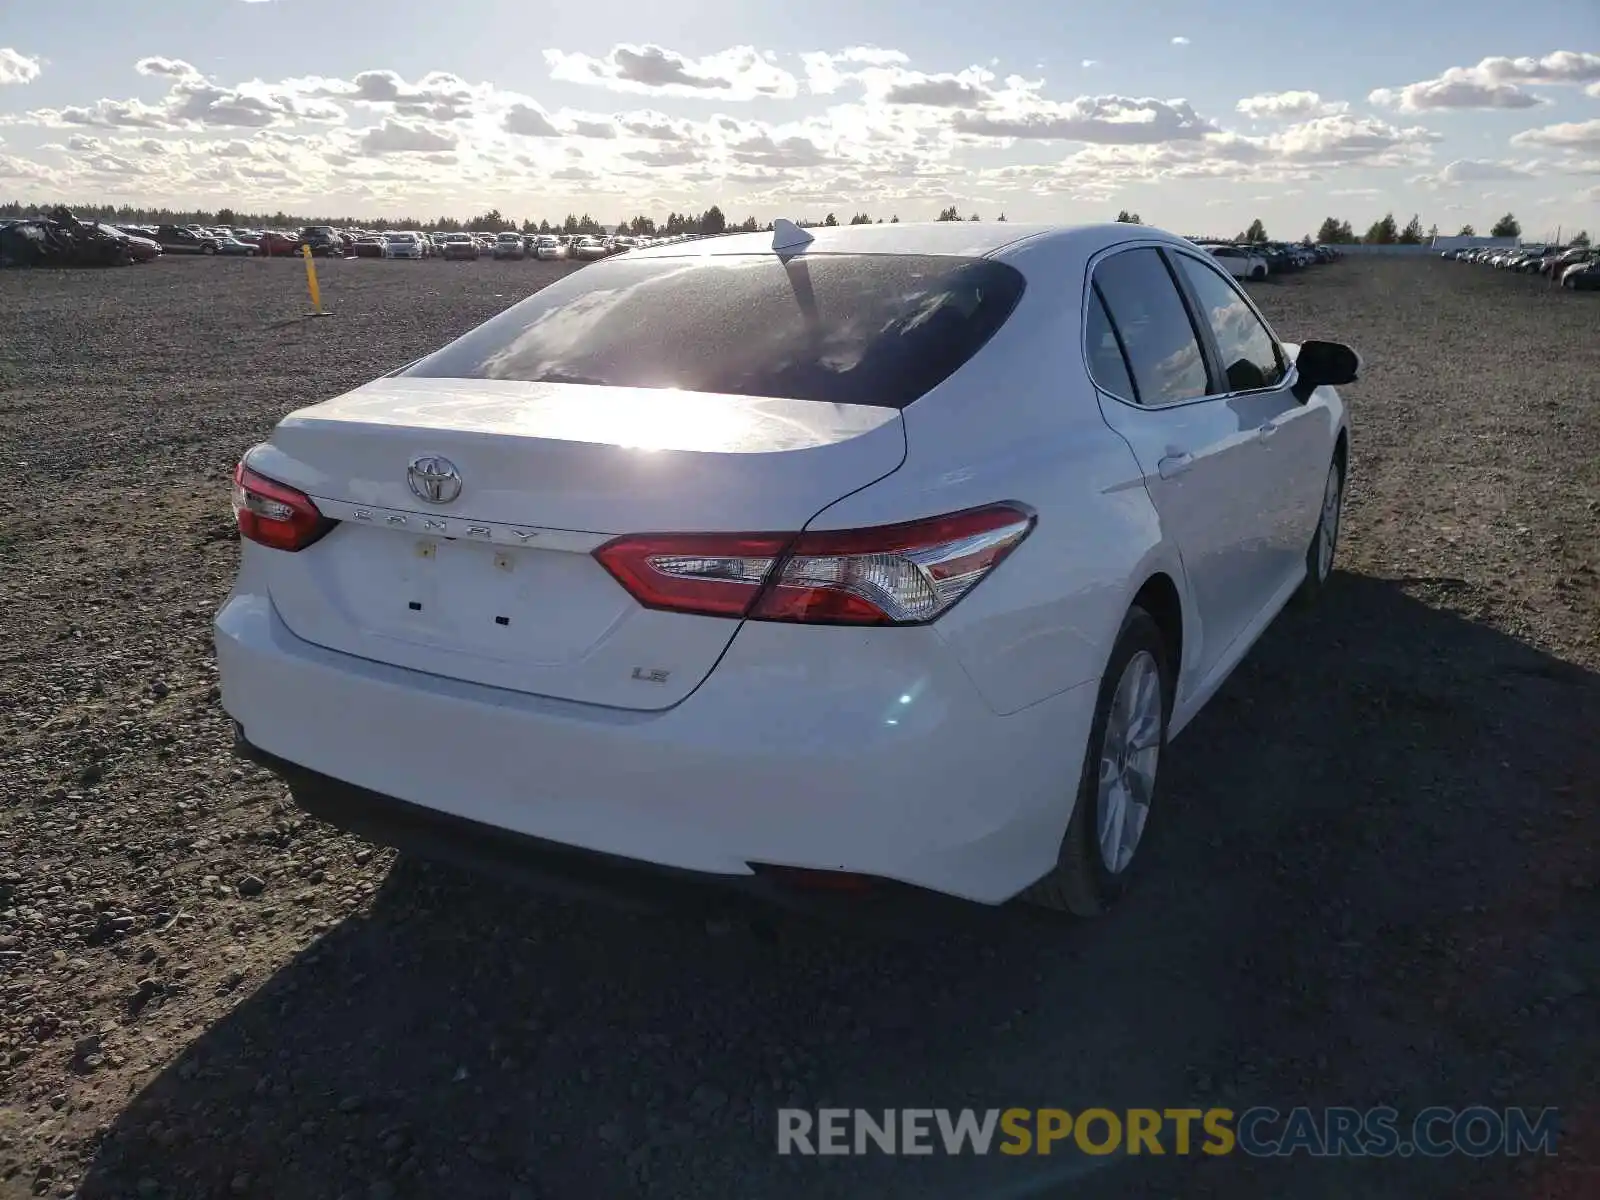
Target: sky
[(1198, 115)]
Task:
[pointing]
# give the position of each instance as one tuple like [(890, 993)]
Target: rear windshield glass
[(843, 329)]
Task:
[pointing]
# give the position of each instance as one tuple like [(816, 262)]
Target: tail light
[(906, 574), (274, 514)]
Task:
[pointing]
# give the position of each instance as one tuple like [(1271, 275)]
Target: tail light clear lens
[(906, 574), (274, 514)]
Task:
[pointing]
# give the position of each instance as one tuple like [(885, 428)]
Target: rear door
[(1256, 377), (1201, 457)]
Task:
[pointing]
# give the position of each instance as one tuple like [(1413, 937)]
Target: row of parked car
[(1574, 267), (326, 241), (1258, 260)]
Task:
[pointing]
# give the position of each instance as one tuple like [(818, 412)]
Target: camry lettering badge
[(433, 479), (363, 515), (479, 531), (430, 523)]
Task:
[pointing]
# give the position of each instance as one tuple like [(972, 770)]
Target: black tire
[(1318, 570), (208, 249), (1081, 883), (1258, 274)]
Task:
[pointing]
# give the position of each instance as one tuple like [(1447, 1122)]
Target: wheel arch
[(1158, 596)]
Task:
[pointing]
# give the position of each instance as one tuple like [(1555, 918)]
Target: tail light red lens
[(715, 574), (274, 514), (906, 574)]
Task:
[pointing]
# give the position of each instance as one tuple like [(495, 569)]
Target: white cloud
[(739, 73), (1570, 135), (824, 75), (529, 120), (1564, 66), (1180, 41), (1346, 139), (1090, 62), (1592, 90), (1281, 105), (890, 137), (195, 102), (437, 96), (593, 127), (17, 67), (1106, 119), (1458, 87), (1494, 83), (958, 90), (174, 68), (656, 126), (395, 136), (1476, 170)]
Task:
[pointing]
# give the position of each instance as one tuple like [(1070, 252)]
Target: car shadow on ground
[(1373, 884)]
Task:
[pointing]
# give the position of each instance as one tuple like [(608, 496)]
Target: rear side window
[(842, 329), (1143, 302), (1106, 364)]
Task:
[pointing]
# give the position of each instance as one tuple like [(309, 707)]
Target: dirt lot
[(1376, 879)]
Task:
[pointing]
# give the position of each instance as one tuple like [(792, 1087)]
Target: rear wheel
[(208, 249), (1117, 784), (1258, 274)]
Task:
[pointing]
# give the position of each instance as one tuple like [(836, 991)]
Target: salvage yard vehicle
[(404, 245), (1237, 261), (858, 557), (548, 247), (1582, 276), (461, 247), (273, 243), (233, 246), (140, 248), (509, 245), (324, 241), (176, 240)]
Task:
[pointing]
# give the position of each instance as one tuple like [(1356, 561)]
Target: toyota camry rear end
[(708, 559)]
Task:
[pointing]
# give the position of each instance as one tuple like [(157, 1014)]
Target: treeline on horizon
[(1333, 231)]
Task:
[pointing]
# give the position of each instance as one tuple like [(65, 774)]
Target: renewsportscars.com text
[(1476, 1131)]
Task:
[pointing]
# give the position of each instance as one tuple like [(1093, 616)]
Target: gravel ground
[(1376, 875)]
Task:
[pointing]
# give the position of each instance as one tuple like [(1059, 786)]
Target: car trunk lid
[(497, 585)]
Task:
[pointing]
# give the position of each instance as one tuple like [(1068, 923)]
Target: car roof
[(960, 239)]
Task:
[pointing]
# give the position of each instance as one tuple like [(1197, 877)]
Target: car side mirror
[(1325, 364)]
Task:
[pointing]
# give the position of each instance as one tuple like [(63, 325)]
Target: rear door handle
[(1267, 430), (1174, 465)]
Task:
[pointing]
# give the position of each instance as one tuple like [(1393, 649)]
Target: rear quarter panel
[(1020, 422)]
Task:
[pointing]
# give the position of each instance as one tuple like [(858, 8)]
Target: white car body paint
[(943, 755)]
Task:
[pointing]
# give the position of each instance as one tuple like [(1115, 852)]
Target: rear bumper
[(588, 875), (832, 749)]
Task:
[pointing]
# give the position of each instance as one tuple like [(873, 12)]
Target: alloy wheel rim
[(1130, 752), (1329, 541)]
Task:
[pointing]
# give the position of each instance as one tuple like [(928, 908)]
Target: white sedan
[(405, 245), (1237, 261), (588, 248), (853, 558)]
